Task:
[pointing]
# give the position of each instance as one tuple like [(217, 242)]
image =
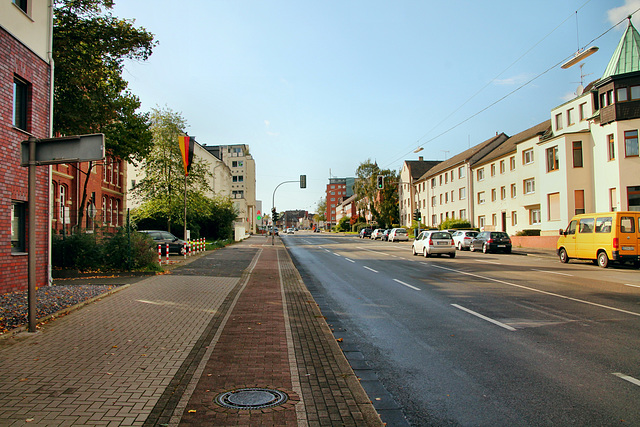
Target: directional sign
[(68, 149)]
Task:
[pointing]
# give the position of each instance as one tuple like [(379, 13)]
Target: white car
[(398, 235), (290, 230), (377, 234), (462, 238), (434, 242)]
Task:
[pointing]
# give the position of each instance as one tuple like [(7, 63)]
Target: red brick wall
[(17, 60), (534, 242)]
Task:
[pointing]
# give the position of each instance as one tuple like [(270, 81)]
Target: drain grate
[(251, 398)]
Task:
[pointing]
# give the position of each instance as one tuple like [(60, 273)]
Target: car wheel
[(471, 248), (564, 258), (603, 259), (452, 254), (413, 249), (507, 251), (485, 248), (459, 247), (426, 253)]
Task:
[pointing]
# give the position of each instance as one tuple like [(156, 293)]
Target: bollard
[(167, 253), (160, 254), (184, 250), (189, 248), (204, 244)]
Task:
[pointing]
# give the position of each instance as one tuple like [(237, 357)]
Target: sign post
[(50, 151)]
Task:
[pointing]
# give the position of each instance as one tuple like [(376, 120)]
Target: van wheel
[(564, 258), (603, 259)]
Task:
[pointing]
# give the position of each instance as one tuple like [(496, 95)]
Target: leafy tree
[(383, 203), (344, 224), (90, 94), (322, 210), (162, 189)]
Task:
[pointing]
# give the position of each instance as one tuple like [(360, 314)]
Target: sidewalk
[(234, 328)]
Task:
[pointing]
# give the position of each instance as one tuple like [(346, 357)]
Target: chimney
[(421, 158)]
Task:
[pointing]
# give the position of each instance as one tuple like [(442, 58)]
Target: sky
[(319, 87)]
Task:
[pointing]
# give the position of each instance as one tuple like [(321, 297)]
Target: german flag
[(186, 148)]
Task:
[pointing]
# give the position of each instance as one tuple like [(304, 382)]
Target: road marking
[(327, 250), (539, 291), (488, 319), (407, 285), (489, 262), (627, 378), (553, 272), (350, 260), (365, 249), (370, 269), (633, 286), (336, 254)]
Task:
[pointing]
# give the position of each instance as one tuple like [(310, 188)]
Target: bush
[(118, 254), (455, 224), (80, 251), (528, 233)]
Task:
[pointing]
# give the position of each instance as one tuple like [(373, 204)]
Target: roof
[(626, 58), (417, 168), (472, 156), (510, 145)]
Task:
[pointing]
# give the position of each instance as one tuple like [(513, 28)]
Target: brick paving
[(159, 351)]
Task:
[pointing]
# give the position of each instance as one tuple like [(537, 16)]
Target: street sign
[(67, 149)]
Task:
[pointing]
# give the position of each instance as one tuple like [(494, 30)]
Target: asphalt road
[(484, 340)]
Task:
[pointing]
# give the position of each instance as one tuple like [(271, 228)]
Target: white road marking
[(369, 250), (489, 262), (327, 250), (407, 285), (488, 319), (627, 378), (336, 254), (633, 286), (539, 291), (350, 260), (370, 269), (553, 272)]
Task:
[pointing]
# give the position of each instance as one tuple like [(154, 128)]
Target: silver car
[(434, 242), (462, 238), (398, 235)]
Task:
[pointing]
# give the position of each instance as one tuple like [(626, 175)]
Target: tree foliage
[(383, 204)]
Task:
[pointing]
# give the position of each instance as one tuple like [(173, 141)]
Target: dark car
[(491, 241), (162, 238), (365, 232), (385, 235)]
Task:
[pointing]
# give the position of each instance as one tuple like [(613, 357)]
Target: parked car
[(377, 234), (162, 238), (462, 238), (398, 235), (434, 242), (385, 235), (365, 232), (491, 241), (290, 230)]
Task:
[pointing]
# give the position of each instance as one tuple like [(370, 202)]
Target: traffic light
[(274, 215), (303, 181), (380, 182), (416, 215)]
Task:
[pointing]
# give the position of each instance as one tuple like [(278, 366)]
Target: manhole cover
[(251, 398)]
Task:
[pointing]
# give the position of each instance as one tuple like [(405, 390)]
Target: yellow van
[(601, 237)]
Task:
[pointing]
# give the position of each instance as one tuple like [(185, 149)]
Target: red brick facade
[(105, 191), (18, 63)]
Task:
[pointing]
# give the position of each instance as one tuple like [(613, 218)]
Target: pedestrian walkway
[(231, 338)]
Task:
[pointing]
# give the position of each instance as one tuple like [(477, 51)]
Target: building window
[(20, 103), (582, 111), (494, 219), (621, 94), (578, 196), (503, 193), (631, 143), (493, 169), (527, 156), (441, 199), (481, 221), (481, 197), (611, 147), (577, 154), (558, 121), (553, 203), (570, 118), (446, 178), (104, 210), (116, 174), (529, 186), (613, 200), (480, 174), (116, 211), (433, 183), (452, 195), (553, 163), (446, 197), (503, 166), (635, 92), (512, 163), (514, 218), (463, 214), (18, 227), (461, 172), (462, 193), (494, 194), (62, 201), (535, 217), (452, 176), (23, 5), (513, 191), (433, 201)]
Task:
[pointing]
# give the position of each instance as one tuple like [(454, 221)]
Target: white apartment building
[(412, 171)]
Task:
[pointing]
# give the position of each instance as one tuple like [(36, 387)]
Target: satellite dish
[(580, 90)]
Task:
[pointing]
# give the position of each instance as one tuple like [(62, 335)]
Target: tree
[(322, 210), (90, 94), (383, 203)]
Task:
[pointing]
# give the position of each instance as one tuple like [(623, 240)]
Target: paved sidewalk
[(160, 351)]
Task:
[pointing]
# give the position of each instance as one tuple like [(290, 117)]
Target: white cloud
[(267, 123), (617, 14)]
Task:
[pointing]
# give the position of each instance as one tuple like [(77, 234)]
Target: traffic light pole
[(303, 184)]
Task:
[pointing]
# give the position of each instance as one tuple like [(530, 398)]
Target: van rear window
[(627, 224), (586, 225), (603, 225)]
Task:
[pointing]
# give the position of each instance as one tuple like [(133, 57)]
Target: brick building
[(25, 110)]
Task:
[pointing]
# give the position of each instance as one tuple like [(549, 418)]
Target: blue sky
[(317, 88)]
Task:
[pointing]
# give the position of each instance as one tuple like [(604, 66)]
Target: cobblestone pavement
[(159, 351)]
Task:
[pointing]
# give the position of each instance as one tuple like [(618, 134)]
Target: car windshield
[(500, 235), (441, 235), (472, 233), (401, 230)]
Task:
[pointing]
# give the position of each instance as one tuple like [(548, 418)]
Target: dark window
[(20, 99), (631, 143), (18, 226), (552, 159), (22, 4), (586, 225), (577, 154)]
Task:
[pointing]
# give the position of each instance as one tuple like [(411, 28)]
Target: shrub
[(455, 224), (528, 233)]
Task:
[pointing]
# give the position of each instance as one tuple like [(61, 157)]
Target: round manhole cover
[(251, 398)]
